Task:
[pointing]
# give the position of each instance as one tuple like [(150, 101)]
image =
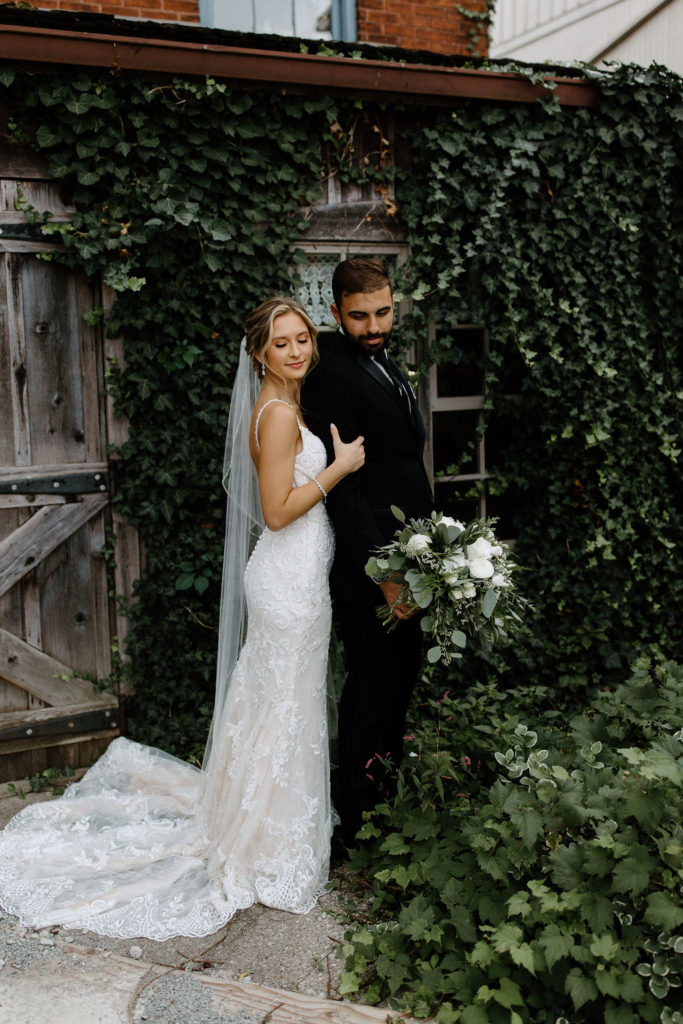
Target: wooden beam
[(280, 1007), (12, 718), (80, 480), (24, 549), (375, 78), (44, 676), (54, 722), (41, 743)]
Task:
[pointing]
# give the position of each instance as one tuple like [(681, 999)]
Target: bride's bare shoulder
[(273, 418)]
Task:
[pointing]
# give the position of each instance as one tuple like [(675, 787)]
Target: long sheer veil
[(243, 527)]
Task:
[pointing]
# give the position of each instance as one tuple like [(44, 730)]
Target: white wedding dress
[(145, 845)]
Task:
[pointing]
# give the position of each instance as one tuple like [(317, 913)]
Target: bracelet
[(320, 487)]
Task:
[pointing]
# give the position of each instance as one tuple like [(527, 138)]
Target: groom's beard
[(365, 341)]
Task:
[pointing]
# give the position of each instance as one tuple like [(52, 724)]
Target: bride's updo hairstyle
[(260, 328)]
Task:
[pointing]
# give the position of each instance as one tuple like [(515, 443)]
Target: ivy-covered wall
[(558, 228), (561, 230)]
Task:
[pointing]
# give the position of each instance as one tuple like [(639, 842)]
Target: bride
[(146, 845)]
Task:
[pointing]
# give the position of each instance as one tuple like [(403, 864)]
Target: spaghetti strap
[(265, 404)]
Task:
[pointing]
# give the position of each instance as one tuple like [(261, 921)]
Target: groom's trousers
[(382, 669)]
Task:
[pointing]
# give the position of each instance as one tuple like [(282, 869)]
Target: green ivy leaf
[(580, 987), (662, 911), (631, 875), (555, 943)]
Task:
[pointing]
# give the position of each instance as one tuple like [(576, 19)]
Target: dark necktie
[(395, 377)]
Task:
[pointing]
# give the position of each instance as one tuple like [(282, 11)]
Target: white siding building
[(564, 31)]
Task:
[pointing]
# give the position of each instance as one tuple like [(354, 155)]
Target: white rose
[(496, 550), (470, 591), (499, 580), (480, 549), (448, 521), (452, 579), (457, 594), (481, 569), (417, 544), (454, 562)]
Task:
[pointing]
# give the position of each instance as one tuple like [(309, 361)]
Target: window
[(306, 19), (467, 461), (313, 277)]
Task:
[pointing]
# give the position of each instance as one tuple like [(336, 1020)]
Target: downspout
[(344, 20)]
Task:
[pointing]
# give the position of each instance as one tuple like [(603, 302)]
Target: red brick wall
[(415, 24), (420, 24), (160, 10)]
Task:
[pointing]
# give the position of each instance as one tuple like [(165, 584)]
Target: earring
[(263, 369)]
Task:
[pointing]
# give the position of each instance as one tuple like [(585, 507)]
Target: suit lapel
[(371, 367)]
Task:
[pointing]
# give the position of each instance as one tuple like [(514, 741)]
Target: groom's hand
[(392, 592)]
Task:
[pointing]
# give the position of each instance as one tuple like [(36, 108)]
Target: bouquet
[(460, 576)]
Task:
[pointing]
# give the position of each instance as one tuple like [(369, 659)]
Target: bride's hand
[(349, 457)]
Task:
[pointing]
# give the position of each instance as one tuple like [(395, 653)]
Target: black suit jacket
[(348, 389)]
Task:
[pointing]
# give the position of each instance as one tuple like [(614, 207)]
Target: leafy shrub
[(522, 883)]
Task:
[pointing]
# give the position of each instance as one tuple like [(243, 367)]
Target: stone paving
[(265, 966)]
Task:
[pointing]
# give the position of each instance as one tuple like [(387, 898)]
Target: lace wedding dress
[(145, 845)]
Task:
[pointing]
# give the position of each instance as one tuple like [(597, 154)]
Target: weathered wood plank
[(59, 724), (42, 675), (74, 752), (32, 631), (6, 395), (18, 245), (36, 742), (87, 296), (281, 1007), (57, 469), (71, 482), (51, 332), (30, 501), (67, 583), (45, 531), (100, 630), (16, 159), (114, 358), (127, 569), (17, 352), (42, 195), (11, 613), (11, 719)]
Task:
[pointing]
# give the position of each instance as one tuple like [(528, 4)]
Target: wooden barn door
[(56, 619)]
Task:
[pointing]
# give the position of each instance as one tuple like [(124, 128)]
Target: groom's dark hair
[(359, 274)]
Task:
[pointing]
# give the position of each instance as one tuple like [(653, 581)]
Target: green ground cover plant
[(531, 871)]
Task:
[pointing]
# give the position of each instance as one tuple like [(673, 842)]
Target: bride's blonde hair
[(260, 328)]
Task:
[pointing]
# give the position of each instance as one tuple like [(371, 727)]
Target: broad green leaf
[(488, 603), (555, 943), (580, 987), (398, 514), (663, 911), (630, 875), (509, 994), (473, 1014), (604, 947), (433, 655)]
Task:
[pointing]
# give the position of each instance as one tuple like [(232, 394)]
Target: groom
[(358, 387)]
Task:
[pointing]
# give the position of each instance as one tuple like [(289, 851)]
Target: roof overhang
[(37, 45)]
